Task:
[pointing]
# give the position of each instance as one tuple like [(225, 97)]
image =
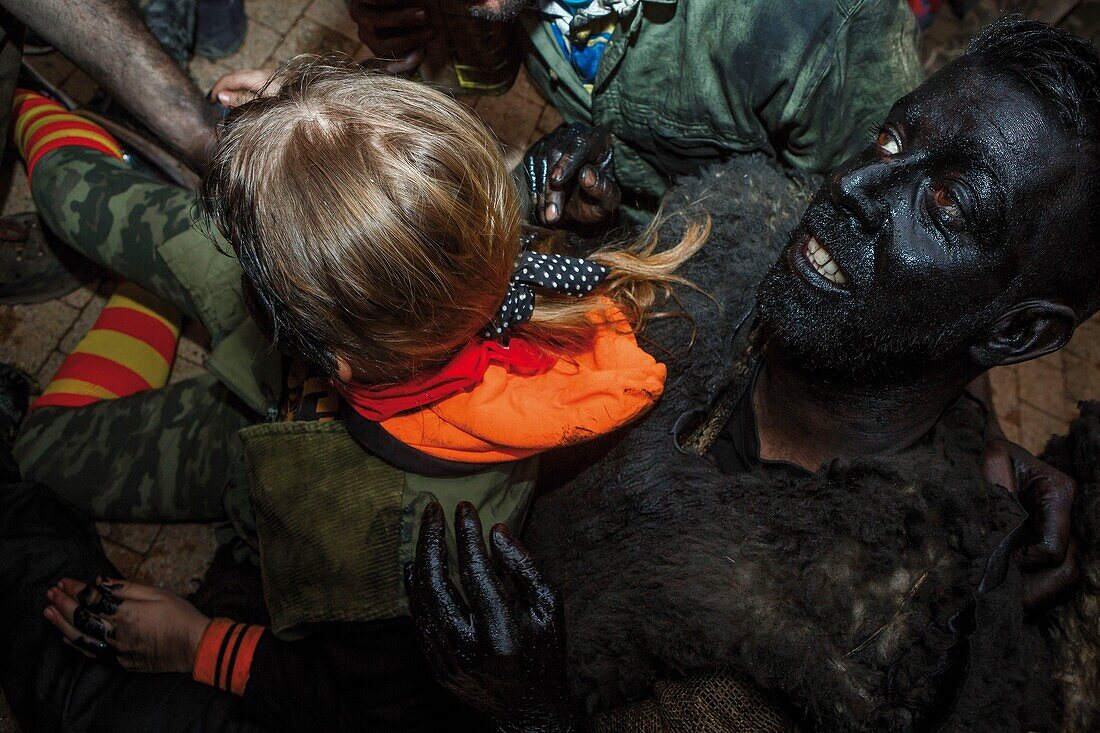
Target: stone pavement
[(1033, 400)]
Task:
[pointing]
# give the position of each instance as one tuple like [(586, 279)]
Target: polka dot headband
[(569, 275)]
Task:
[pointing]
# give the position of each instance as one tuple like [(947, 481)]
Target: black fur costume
[(874, 596)]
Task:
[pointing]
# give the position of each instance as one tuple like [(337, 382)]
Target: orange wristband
[(224, 658)]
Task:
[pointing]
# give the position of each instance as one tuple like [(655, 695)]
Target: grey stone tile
[(526, 90), (80, 87), (13, 179), (307, 36), (279, 15), (1006, 394), (126, 560), (1086, 341), (53, 363), (55, 67), (205, 72), (183, 369), (7, 720), (30, 333), (1043, 385), (259, 40), (1011, 430), (83, 295), (178, 557), (138, 538), (511, 117), (1037, 426), (83, 324), (333, 14), (1082, 379), (189, 350), (549, 119)]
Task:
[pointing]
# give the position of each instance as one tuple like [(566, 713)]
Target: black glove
[(571, 177), (502, 653), (1049, 560)]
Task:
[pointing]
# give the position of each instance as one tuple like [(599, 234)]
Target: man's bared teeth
[(823, 262)]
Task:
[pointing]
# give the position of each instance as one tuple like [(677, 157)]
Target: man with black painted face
[(962, 239)]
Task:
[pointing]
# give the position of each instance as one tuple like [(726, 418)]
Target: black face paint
[(84, 621), (92, 646), (952, 216), (99, 598)]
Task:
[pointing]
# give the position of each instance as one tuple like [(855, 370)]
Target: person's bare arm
[(108, 41)]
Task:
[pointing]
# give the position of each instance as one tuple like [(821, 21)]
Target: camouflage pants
[(160, 455)]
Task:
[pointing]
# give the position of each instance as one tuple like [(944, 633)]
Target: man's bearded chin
[(852, 339), (507, 10)]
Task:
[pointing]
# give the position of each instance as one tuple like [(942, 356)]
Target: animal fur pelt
[(873, 596)]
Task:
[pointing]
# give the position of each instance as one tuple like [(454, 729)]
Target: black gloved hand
[(1049, 561), (502, 653), (571, 177), (396, 32)]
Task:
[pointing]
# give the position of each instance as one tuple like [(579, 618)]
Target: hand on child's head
[(241, 86)]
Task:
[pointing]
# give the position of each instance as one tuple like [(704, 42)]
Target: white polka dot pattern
[(569, 275)]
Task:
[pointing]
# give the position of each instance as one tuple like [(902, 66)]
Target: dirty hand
[(243, 85), (395, 31), (571, 177), (1049, 561), (146, 629), (501, 652)]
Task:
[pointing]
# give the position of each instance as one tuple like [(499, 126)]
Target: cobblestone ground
[(1033, 400)]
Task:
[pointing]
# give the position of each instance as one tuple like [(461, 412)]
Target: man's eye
[(948, 204), (889, 141)]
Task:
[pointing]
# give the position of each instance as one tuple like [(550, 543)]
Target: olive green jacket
[(684, 83)]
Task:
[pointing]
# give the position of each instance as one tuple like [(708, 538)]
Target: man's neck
[(809, 421)]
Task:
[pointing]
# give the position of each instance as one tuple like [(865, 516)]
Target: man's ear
[(1025, 331)]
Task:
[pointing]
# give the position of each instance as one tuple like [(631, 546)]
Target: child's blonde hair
[(375, 220)]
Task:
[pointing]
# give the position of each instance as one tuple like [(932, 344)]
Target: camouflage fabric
[(329, 515), (142, 229), (685, 84), (160, 455), (172, 23)]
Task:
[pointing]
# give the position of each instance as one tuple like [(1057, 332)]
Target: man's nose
[(854, 189)]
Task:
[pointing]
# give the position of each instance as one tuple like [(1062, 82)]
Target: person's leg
[(138, 227), (50, 686), (158, 456), (153, 455)]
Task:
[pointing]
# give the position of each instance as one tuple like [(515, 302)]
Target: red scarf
[(465, 370)]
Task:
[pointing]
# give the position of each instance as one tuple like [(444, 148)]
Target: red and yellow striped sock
[(129, 349), (41, 125)]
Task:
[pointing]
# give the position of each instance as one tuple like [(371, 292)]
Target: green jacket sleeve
[(848, 89)]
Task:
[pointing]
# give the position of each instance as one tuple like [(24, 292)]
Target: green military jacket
[(684, 83)]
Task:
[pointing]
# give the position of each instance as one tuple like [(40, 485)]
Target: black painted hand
[(395, 31), (144, 629), (571, 177), (501, 653), (1049, 560)]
